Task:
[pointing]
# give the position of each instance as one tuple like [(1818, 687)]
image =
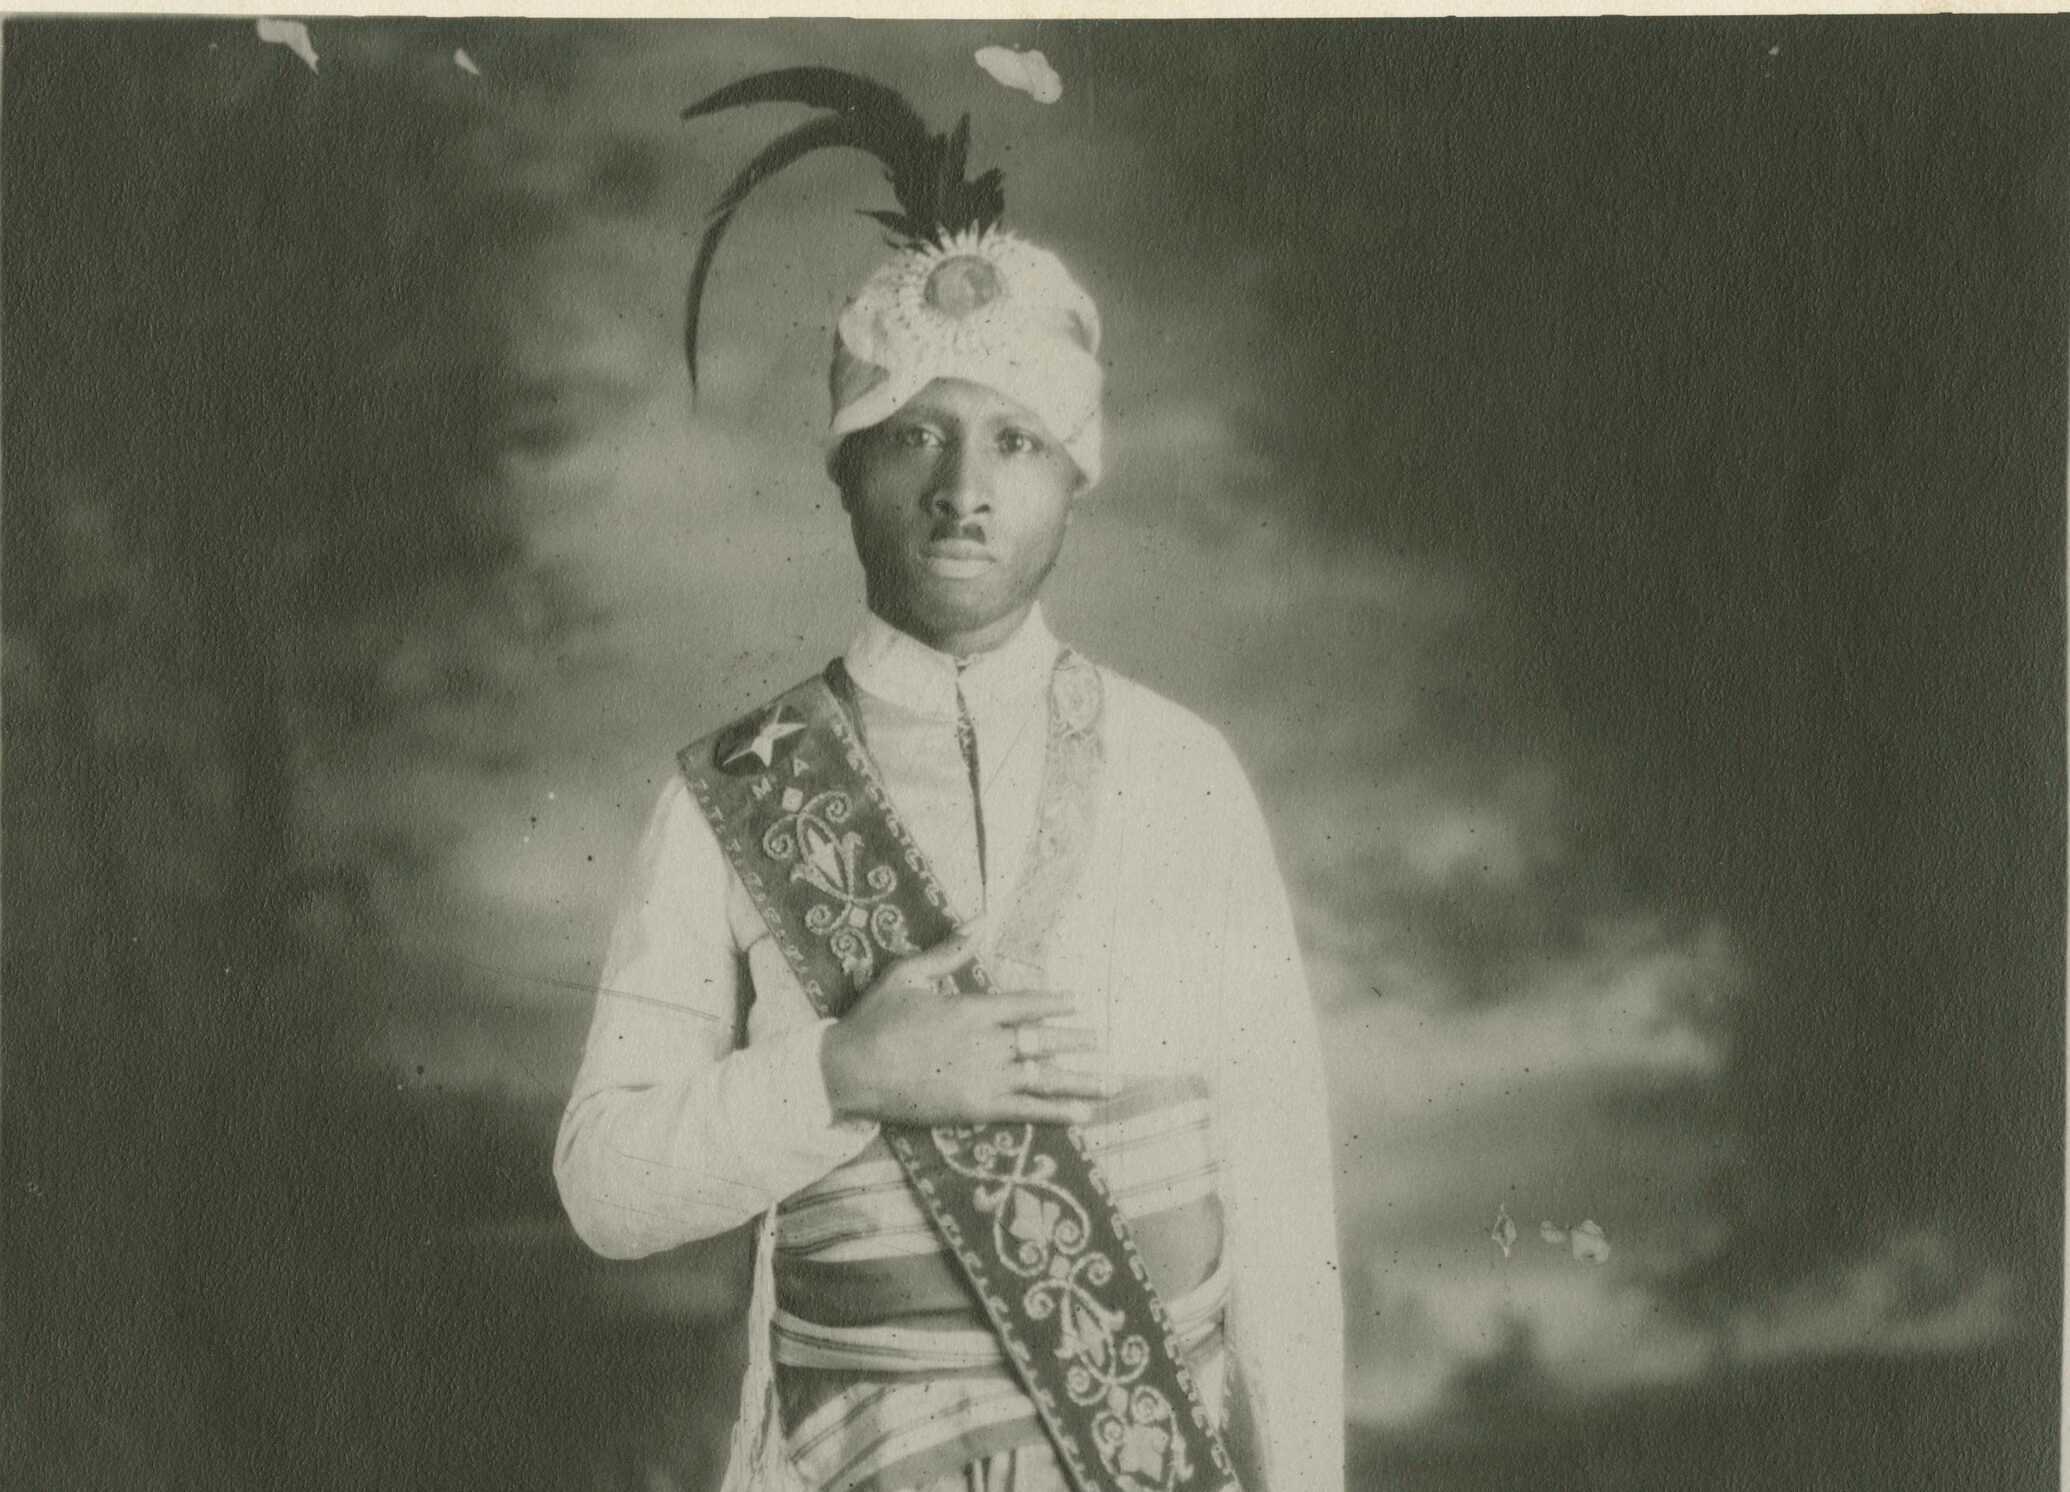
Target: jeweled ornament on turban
[(960, 297), (956, 287)]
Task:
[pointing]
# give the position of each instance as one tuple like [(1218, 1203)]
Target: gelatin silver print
[(1033, 756)]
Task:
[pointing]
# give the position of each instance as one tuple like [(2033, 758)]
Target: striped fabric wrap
[(888, 1374)]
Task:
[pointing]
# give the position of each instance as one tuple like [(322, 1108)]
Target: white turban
[(985, 307)]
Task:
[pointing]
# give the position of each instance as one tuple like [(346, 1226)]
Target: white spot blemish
[(290, 34), (1585, 1240), (1588, 1243), (1024, 72), (1505, 1230)]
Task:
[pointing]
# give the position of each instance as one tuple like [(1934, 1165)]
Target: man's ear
[(841, 468), (1079, 488)]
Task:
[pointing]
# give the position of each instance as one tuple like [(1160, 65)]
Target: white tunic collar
[(907, 672)]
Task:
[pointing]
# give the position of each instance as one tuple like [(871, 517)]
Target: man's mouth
[(955, 559)]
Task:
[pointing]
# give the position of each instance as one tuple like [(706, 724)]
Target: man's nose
[(962, 484)]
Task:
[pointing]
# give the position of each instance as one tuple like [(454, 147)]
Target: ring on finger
[(1027, 1044)]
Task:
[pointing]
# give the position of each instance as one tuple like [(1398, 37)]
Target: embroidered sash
[(893, 1377), (796, 803)]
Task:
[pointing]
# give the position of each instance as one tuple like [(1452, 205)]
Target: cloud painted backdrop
[(1605, 478)]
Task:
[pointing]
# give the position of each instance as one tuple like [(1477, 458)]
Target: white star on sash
[(762, 745)]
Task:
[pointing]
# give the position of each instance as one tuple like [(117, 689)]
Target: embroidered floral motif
[(1022, 1208), (1075, 694), (860, 921), (1041, 1233), (1064, 823)]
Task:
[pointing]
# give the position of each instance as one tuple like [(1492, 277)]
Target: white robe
[(1178, 943)]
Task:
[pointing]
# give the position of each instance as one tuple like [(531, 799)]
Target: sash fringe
[(757, 1459)]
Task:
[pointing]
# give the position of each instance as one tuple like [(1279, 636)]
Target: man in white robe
[(711, 1091)]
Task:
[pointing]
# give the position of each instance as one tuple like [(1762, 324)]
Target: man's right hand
[(913, 1051)]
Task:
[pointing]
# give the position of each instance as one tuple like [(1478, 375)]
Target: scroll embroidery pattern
[(859, 921), (1028, 1219), (1071, 769), (1040, 1233)]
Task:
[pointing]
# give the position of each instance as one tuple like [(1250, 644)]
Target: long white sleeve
[(1287, 1316), (675, 1131)]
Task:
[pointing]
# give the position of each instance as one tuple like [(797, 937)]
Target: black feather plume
[(926, 169)]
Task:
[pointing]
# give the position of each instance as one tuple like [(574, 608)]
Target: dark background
[(1735, 357)]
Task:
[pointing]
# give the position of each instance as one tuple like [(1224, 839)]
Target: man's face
[(959, 504)]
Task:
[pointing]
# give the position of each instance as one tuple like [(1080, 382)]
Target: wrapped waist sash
[(887, 1371), (1196, 1315)]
